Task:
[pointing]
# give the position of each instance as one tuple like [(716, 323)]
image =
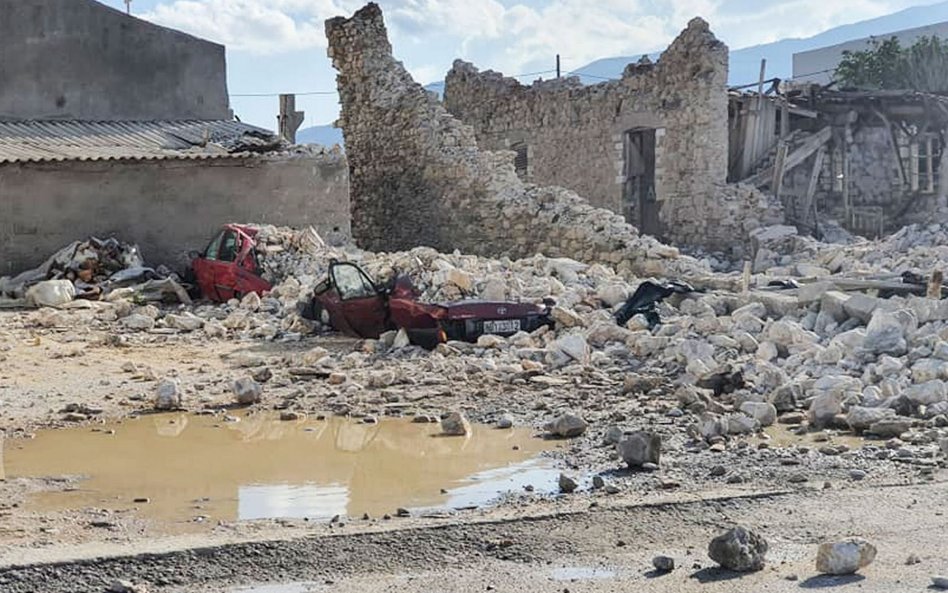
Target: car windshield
[(351, 282)]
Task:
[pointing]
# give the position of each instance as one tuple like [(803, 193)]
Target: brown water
[(203, 468), (779, 436)]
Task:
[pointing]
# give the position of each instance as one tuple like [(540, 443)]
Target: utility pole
[(289, 119), (557, 65), (128, 7)]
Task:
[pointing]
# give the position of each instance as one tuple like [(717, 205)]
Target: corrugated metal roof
[(62, 140)]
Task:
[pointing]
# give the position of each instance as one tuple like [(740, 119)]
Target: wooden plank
[(847, 206), (913, 167), (809, 146), (779, 168), (929, 167), (754, 124), (784, 118), (934, 285), (811, 186)]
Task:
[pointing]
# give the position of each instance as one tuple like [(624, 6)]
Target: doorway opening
[(638, 196)]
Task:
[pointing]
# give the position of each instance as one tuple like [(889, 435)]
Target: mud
[(184, 471)]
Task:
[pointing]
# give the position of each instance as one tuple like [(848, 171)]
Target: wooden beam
[(779, 168), (811, 187), (809, 146), (893, 143), (934, 285), (751, 156), (847, 206), (929, 166)]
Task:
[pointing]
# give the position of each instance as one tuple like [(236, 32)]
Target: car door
[(225, 266), (205, 267), (363, 306)]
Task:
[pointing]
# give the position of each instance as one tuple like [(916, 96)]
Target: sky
[(279, 46)]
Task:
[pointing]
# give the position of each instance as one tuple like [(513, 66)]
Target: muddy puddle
[(780, 436), (188, 469)]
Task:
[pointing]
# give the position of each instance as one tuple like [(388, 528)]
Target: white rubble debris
[(845, 556)]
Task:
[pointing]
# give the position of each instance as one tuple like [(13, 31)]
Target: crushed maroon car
[(228, 266), (352, 303)]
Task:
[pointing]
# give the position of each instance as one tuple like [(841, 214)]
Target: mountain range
[(744, 63)]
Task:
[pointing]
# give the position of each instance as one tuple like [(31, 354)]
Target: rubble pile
[(92, 269), (914, 248), (701, 374)]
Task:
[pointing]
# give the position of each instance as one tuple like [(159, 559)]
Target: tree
[(888, 65)]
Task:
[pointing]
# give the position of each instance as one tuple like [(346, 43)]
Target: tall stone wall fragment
[(417, 176)]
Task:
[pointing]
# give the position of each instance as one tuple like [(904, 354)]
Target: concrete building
[(110, 125), (818, 65)]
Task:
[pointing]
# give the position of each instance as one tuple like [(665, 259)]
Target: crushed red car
[(352, 303), (228, 266)]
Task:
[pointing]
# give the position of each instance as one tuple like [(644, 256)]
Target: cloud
[(512, 35), (256, 26)]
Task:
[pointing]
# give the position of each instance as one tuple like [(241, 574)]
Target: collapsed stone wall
[(874, 179), (574, 136), (418, 178)]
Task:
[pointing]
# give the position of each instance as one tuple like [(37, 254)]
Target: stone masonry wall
[(574, 134), (418, 178)]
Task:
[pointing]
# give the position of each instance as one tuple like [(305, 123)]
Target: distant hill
[(327, 135), (745, 63)]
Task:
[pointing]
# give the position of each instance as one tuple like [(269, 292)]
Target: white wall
[(809, 66)]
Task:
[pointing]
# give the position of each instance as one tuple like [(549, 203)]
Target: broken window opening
[(929, 155), (639, 199), (837, 169), (520, 159), (228, 251), (351, 282)]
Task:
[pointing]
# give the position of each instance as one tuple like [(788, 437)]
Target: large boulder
[(640, 447), (765, 413), (927, 393), (247, 391), (890, 427), (885, 334), (455, 424), (567, 426), (844, 557), (824, 408), (860, 418), (739, 549), (167, 395)]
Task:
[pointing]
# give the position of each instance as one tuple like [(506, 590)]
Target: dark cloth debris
[(646, 296)]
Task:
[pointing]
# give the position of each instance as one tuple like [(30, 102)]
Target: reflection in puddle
[(191, 467), (581, 573)]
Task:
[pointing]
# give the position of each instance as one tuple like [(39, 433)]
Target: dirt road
[(605, 548)]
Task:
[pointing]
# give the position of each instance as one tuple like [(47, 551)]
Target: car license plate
[(502, 326)]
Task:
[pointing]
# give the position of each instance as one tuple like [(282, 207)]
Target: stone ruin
[(650, 146), (418, 178)]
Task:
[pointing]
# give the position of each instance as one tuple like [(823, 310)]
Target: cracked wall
[(417, 176)]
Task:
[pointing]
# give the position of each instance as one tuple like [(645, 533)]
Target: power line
[(438, 83), (278, 94)]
